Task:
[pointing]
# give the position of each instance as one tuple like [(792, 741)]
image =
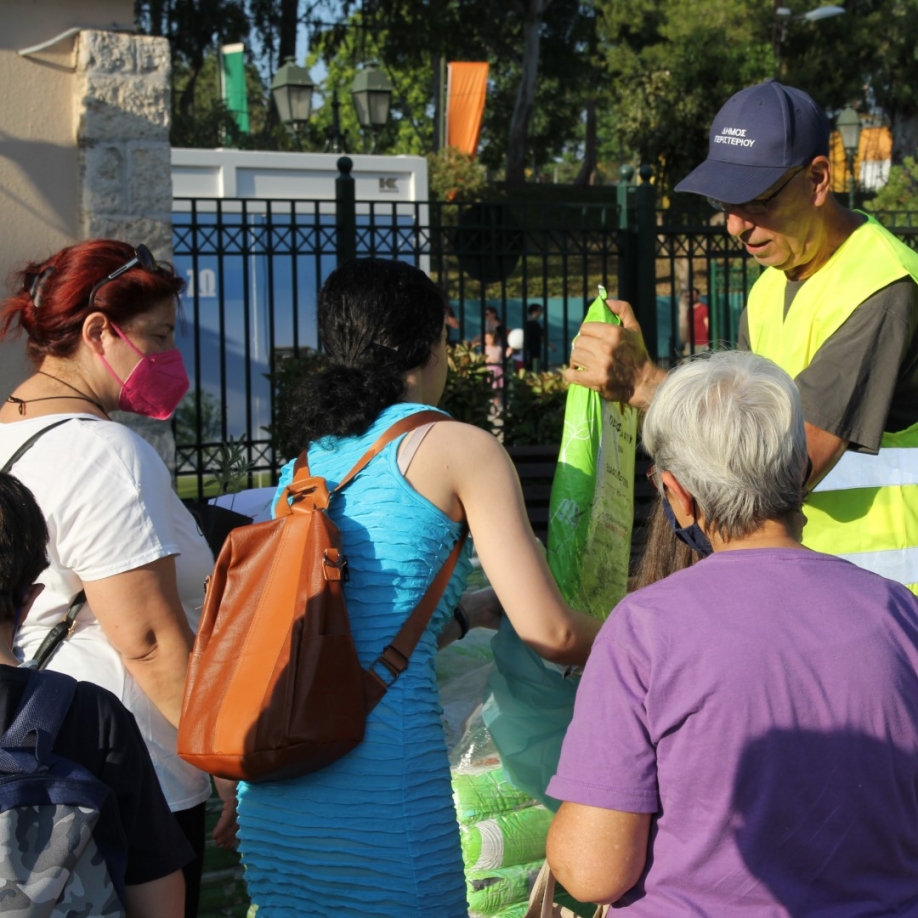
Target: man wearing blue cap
[(836, 307)]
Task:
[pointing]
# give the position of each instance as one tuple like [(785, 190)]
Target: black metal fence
[(254, 269)]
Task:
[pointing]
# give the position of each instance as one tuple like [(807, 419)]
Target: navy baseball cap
[(759, 134)]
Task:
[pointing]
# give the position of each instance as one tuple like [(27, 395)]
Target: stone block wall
[(123, 138), (123, 119)]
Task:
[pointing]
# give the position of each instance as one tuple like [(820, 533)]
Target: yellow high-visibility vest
[(866, 508)]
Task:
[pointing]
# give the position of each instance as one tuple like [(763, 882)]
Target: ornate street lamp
[(292, 89), (372, 95), (848, 124)]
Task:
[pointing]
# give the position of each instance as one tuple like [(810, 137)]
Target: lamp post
[(335, 138), (785, 15), (848, 124), (372, 95), (292, 90)]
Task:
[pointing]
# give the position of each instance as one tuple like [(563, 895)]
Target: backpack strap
[(302, 474), (58, 634), (44, 705), (396, 656), (30, 443), (65, 626), (418, 419)]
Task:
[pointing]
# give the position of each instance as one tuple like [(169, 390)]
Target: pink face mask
[(155, 386)]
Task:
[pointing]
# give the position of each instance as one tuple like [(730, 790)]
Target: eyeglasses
[(759, 205), (142, 256), (652, 476)]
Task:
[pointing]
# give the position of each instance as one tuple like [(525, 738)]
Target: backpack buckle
[(335, 564), (394, 661)]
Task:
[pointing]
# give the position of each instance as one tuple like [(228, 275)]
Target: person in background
[(836, 307), (534, 343), (99, 319), (494, 361), (745, 735), (694, 334), (452, 323), (492, 325), (375, 833), (97, 733)]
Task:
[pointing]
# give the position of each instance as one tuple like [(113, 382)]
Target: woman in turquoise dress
[(375, 833)]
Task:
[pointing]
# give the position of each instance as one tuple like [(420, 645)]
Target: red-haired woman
[(99, 318)]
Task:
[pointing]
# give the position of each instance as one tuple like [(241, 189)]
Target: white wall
[(300, 176)]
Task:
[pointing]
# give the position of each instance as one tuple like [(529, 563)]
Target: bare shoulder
[(465, 440), (462, 453)]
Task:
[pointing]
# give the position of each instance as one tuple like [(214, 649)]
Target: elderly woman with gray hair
[(745, 739)]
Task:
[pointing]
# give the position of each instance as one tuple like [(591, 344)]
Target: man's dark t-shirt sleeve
[(864, 378)]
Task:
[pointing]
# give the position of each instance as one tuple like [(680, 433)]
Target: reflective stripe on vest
[(893, 466), (866, 509), (897, 564)]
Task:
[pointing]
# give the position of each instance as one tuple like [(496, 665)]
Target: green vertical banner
[(232, 84)]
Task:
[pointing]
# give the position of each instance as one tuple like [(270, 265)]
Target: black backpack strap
[(59, 633), (30, 443), (64, 627), (44, 705)]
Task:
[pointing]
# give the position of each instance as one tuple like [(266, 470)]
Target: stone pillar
[(123, 117)]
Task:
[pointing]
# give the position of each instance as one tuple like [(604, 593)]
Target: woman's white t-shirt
[(110, 508)]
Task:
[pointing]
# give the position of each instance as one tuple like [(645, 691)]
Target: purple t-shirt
[(763, 704)]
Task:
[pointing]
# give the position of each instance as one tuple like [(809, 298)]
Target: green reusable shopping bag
[(530, 702), (592, 496)]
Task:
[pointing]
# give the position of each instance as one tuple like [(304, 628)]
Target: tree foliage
[(586, 84), (672, 64), (900, 193), (411, 41)]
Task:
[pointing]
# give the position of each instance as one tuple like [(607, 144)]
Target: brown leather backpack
[(274, 687)]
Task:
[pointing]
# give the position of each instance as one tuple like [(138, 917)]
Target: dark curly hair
[(23, 544), (377, 320)]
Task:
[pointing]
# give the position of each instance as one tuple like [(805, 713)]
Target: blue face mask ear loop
[(692, 535)]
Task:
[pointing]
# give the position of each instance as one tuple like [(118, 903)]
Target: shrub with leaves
[(456, 176), (232, 467), (192, 409), (900, 191), (469, 392), (534, 415)]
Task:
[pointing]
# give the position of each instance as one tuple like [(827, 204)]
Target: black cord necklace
[(80, 396)]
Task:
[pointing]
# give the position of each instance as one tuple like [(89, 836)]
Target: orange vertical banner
[(467, 86)]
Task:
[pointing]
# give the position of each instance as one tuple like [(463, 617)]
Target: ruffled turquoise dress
[(375, 833)]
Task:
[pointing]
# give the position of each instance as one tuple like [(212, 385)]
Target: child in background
[(494, 357)]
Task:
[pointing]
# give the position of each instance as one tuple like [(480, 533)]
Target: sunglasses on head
[(142, 257), (759, 205)]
